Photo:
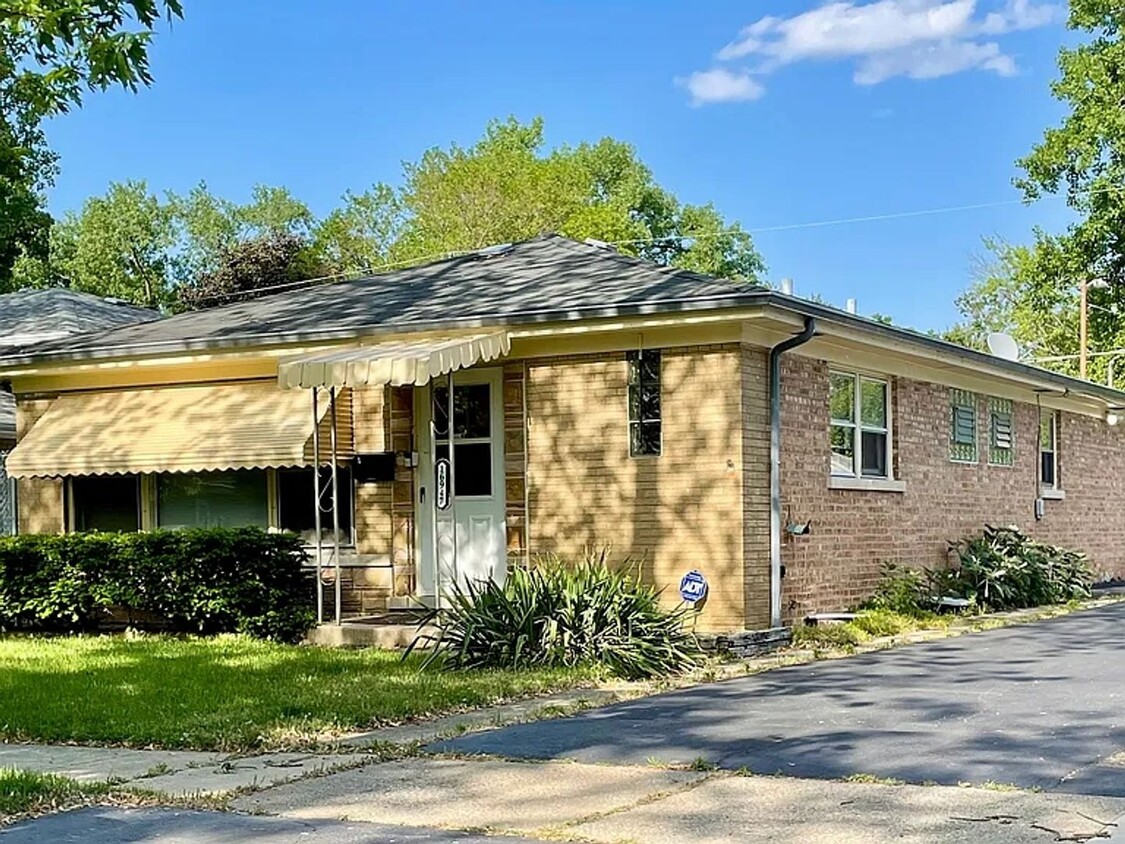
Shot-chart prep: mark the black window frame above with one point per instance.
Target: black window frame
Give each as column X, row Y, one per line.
column 645, row 400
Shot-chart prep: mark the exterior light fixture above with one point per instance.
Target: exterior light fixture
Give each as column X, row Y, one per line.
column 1112, row 417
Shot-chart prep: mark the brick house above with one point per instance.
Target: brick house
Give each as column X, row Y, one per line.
column 596, row 400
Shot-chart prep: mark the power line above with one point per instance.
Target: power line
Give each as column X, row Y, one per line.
column 870, row 218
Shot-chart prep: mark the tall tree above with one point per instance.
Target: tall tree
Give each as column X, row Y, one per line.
column 1032, row 291
column 508, row 187
column 251, row 268
column 51, row 51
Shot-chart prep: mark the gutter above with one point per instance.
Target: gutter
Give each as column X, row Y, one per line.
column 776, row 352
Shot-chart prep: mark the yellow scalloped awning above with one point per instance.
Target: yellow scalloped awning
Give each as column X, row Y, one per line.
column 398, row 364
column 177, row 429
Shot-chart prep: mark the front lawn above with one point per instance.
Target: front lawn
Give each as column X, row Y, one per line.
column 228, row 693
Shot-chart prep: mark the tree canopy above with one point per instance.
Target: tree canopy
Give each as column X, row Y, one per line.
column 1032, row 291
column 198, row 249
column 51, row 52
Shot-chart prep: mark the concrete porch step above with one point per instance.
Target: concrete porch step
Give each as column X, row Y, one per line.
column 356, row 634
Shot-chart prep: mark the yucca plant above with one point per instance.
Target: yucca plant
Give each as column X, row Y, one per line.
column 556, row 614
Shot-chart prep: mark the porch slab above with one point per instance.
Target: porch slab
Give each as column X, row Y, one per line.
column 360, row 635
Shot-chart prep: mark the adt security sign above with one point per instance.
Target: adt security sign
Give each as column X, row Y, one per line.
column 441, row 483
column 693, row 587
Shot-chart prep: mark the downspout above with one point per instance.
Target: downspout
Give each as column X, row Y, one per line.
column 775, row 463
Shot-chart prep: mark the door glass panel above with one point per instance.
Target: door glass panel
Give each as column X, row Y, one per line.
column 472, row 472
column 472, row 411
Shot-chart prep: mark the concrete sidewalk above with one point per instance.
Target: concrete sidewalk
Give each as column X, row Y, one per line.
column 601, row 803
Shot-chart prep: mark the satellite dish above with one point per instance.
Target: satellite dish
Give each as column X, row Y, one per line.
column 1003, row 346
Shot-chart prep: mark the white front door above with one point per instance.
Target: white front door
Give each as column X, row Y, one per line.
column 469, row 533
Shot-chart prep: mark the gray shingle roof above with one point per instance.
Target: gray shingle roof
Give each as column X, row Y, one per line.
column 34, row 316
column 549, row 277
column 30, row 319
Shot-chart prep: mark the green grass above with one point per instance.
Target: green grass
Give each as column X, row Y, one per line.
column 229, row 693
column 24, row 792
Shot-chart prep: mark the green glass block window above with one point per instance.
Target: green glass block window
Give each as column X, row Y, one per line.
column 962, row 426
column 1001, row 439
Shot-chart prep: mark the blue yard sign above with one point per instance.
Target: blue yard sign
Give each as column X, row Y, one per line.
column 693, row 587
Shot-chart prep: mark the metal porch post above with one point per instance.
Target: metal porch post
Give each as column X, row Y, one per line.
column 316, row 510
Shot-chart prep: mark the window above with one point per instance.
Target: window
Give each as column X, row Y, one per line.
column 296, row 511
column 472, row 436
column 106, row 502
column 860, row 426
column 1049, row 449
column 962, row 426
column 1000, row 436
column 644, row 403
column 236, row 498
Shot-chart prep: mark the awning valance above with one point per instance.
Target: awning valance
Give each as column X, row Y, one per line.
column 177, row 429
column 398, row 364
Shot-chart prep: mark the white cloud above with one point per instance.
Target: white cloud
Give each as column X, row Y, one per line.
column 917, row 39
column 721, row 86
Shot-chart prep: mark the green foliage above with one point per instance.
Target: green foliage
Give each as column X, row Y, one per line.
column 50, row 52
column 231, row 693
column 1030, row 291
column 900, row 590
column 201, row 581
column 1004, row 569
column 844, row 636
column 883, row 622
column 559, row 614
column 506, row 188
column 26, row 792
column 259, row 264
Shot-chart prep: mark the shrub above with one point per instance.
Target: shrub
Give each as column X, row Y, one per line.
column 1004, row 569
column 900, row 590
column 205, row 581
column 555, row 615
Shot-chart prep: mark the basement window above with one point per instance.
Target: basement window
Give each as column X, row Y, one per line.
column 860, row 426
column 645, row 436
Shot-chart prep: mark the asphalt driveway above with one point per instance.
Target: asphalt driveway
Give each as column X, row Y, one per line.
column 1039, row 705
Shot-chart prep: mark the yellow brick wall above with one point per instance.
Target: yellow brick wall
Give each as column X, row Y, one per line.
column 679, row 511
column 40, row 500
column 756, row 485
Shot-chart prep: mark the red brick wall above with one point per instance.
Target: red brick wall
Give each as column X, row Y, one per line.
column 854, row 532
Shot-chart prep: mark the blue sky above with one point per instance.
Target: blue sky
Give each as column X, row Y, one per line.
column 781, row 112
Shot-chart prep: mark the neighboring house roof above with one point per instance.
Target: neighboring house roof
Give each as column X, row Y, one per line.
column 30, row 318
column 547, row 278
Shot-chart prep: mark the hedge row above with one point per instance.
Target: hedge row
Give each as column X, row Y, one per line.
column 203, row 581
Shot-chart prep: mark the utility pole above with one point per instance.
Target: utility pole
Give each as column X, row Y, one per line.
column 1083, row 319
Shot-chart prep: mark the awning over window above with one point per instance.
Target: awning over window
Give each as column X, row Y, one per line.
column 398, row 364
column 177, row 429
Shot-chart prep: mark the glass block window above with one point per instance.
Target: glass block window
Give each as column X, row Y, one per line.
column 859, row 425
column 1001, row 439
column 645, row 438
column 962, row 426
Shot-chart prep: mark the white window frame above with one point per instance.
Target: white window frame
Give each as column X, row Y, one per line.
column 1056, row 418
column 858, row 427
